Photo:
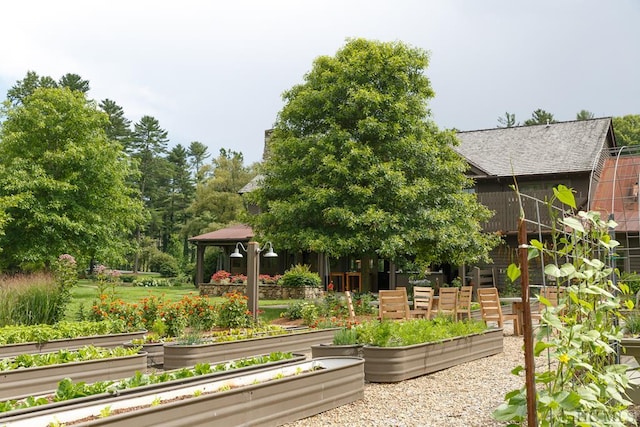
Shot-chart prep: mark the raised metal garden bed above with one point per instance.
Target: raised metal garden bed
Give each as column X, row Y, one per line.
column 40, row 379
column 299, row 341
column 393, row 364
column 265, row 397
column 104, row 341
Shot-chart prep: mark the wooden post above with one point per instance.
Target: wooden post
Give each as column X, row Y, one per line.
column 392, row 275
column 530, row 382
column 253, row 270
column 199, row 264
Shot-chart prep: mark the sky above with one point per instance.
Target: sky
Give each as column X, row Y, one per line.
column 214, row 71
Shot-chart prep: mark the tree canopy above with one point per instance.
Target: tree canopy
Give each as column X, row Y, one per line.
column 507, row 121
column 584, row 115
column 627, row 129
column 540, row 117
column 69, row 180
column 355, row 165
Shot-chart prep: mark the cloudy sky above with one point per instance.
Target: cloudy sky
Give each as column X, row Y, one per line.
column 214, row 71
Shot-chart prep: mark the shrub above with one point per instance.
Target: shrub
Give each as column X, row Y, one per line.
column 300, row 275
column 233, row 311
column 152, row 282
column 309, row 313
column 165, row 264
column 294, row 311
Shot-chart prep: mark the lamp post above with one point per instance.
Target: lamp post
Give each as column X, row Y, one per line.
column 253, row 251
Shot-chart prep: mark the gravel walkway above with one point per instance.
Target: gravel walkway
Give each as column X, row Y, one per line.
column 462, row 396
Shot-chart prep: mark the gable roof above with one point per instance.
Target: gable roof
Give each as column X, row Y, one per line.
column 233, row 234
column 563, row 147
column 252, row 185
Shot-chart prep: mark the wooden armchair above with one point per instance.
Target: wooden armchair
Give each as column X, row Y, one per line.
column 553, row 294
column 448, row 301
column 464, row 302
column 393, row 304
column 422, row 302
column 492, row 310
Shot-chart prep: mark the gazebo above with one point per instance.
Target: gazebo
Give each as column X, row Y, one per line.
column 225, row 238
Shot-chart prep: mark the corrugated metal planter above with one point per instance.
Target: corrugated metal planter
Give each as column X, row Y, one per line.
column 180, row 356
column 393, row 364
column 331, row 350
column 105, row 341
column 154, row 350
column 631, row 347
column 265, row 397
column 20, row 382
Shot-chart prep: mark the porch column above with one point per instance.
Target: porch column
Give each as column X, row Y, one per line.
column 199, row 263
column 392, row 275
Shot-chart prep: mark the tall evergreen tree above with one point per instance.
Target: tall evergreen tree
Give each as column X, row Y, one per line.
column 197, row 155
column 584, row 115
column 119, row 127
column 508, row 121
column 147, row 146
column 180, row 195
column 74, row 82
column 217, row 202
column 540, row 117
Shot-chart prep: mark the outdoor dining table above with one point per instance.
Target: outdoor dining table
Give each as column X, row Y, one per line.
column 517, row 307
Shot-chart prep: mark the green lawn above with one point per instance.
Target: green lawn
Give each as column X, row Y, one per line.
column 86, row 293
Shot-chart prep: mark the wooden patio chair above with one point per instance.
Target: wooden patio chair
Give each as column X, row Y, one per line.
column 422, row 302
column 448, row 302
column 492, row 310
column 465, row 296
column 553, row 294
column 393, row 304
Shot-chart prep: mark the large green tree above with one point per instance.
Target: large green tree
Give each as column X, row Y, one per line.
column 627, row 129
column 355, row 165
column 69, row 178
column 217, row 202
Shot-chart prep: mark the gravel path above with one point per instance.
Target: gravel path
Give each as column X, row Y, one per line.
column 463, row 396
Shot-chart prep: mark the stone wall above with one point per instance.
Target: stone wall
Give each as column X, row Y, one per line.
column 267, row 292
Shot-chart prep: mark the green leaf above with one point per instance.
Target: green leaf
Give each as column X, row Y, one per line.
column 541, row 346
column 570, row 401
column 565, row 195
column 573, row 223
column 537, row 244
column 513, row 272
column 552, row 270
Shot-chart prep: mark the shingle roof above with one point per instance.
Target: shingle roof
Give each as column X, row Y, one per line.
column 532, row 150
column 233, row 233
column 251, row 185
